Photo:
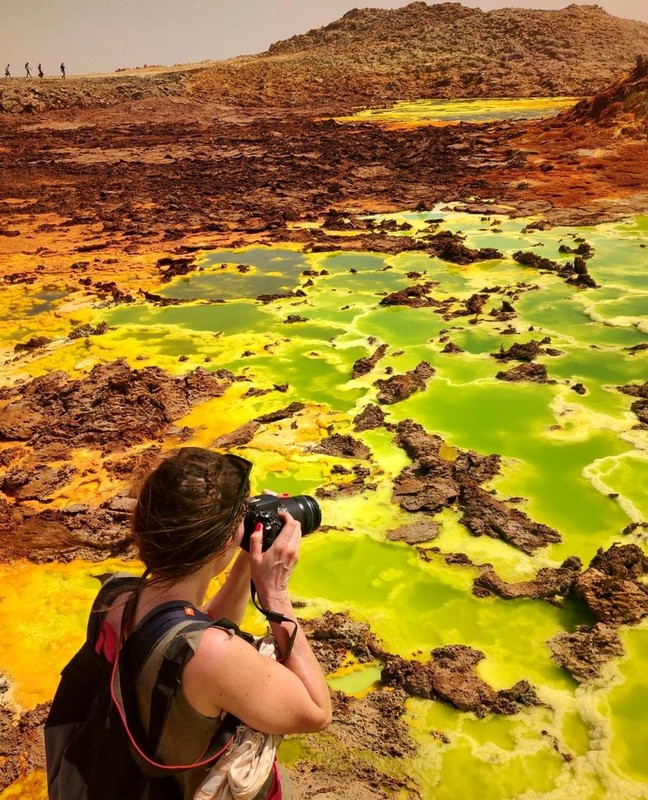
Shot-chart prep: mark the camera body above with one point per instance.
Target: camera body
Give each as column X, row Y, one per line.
column 265, row 508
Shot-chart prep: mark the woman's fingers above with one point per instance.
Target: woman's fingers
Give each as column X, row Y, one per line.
column 256, row 542
column 290, row 535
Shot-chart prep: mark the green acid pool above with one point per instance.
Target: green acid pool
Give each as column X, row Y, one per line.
column 579, row 461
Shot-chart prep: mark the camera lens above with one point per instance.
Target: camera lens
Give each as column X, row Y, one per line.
column 306, row 510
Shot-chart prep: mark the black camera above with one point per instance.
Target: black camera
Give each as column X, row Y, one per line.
column 265, row 508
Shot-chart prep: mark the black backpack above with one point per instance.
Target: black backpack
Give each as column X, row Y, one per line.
column 95, row 744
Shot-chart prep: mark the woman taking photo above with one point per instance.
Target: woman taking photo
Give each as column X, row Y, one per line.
column 187, row 527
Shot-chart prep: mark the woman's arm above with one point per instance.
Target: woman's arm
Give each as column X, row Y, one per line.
column 228, row 673
column 271, row 572
column 231, row 599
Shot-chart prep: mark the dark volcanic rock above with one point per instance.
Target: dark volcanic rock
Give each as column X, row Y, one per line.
column 549, row 584
column 32, row 344
column 584, row 249
column 172, row 267
column 111, row 407
column 611, row 588
column 413, row 296
column 281, row 413
column 451, row 347
column 21, row 742
column 371, row 417
column 364, row 365
column 451, row 676
column 450, row 247
column 432, row 483
column 484, row 515
column 356, row 486
column 585, row 650
column 400, row 387
column 343, row 446
column 334, row 636
column 520, row 351
column 640, row 406
column 581, row 276
column 87, row 330
column 528, row 259
column 536, row 373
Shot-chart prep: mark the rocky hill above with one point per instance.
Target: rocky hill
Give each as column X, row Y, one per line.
column 622, row 106
column 373, row 56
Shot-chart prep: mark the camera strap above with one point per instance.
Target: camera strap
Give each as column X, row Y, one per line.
column 275, row 616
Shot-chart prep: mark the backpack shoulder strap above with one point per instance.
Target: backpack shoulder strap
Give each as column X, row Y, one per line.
column 137, row 649
column 112, row 586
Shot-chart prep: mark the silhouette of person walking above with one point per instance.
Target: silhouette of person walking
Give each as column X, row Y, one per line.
column 40, row 72
column 62, row 70
column 27, row 70
column 7, row 73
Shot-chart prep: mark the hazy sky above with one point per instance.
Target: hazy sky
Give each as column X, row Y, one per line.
column 101, row 35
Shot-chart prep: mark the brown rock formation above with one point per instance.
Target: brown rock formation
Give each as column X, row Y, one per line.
column 521, row 351
column 334, row 636
column 535, row 373
column 364, row 365
column 584, row 651
column 280, row 413
column 622, row 106
column 611, row 587
column 484, row 515
column 342, row 446
column 21, row 742
column 432, row 483
column 451, row 676
column 549, row 584
column 62, row 535
column 640, row 405
column 400, row 387
column 111, row 407
column 414, row 532
column 373, row 56
column 371, row 416
column 413, row 296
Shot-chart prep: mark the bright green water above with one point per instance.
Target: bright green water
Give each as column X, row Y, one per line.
column 563, row 452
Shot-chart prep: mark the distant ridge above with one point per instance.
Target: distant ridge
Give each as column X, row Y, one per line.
column 373, row 56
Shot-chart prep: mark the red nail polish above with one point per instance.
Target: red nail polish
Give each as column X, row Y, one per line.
column 258, row 527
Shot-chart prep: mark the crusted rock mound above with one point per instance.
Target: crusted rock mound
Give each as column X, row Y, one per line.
column 549, row 584
column 400, row 387
column 112, row 406
column 451, row 676
column 433, row 482
column 584, row 651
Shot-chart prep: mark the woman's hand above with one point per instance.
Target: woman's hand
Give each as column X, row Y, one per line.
column 272, row 570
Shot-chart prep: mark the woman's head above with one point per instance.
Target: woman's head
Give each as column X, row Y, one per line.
column 188, row 510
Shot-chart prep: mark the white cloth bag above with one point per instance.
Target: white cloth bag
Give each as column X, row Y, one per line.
column 240, row 773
